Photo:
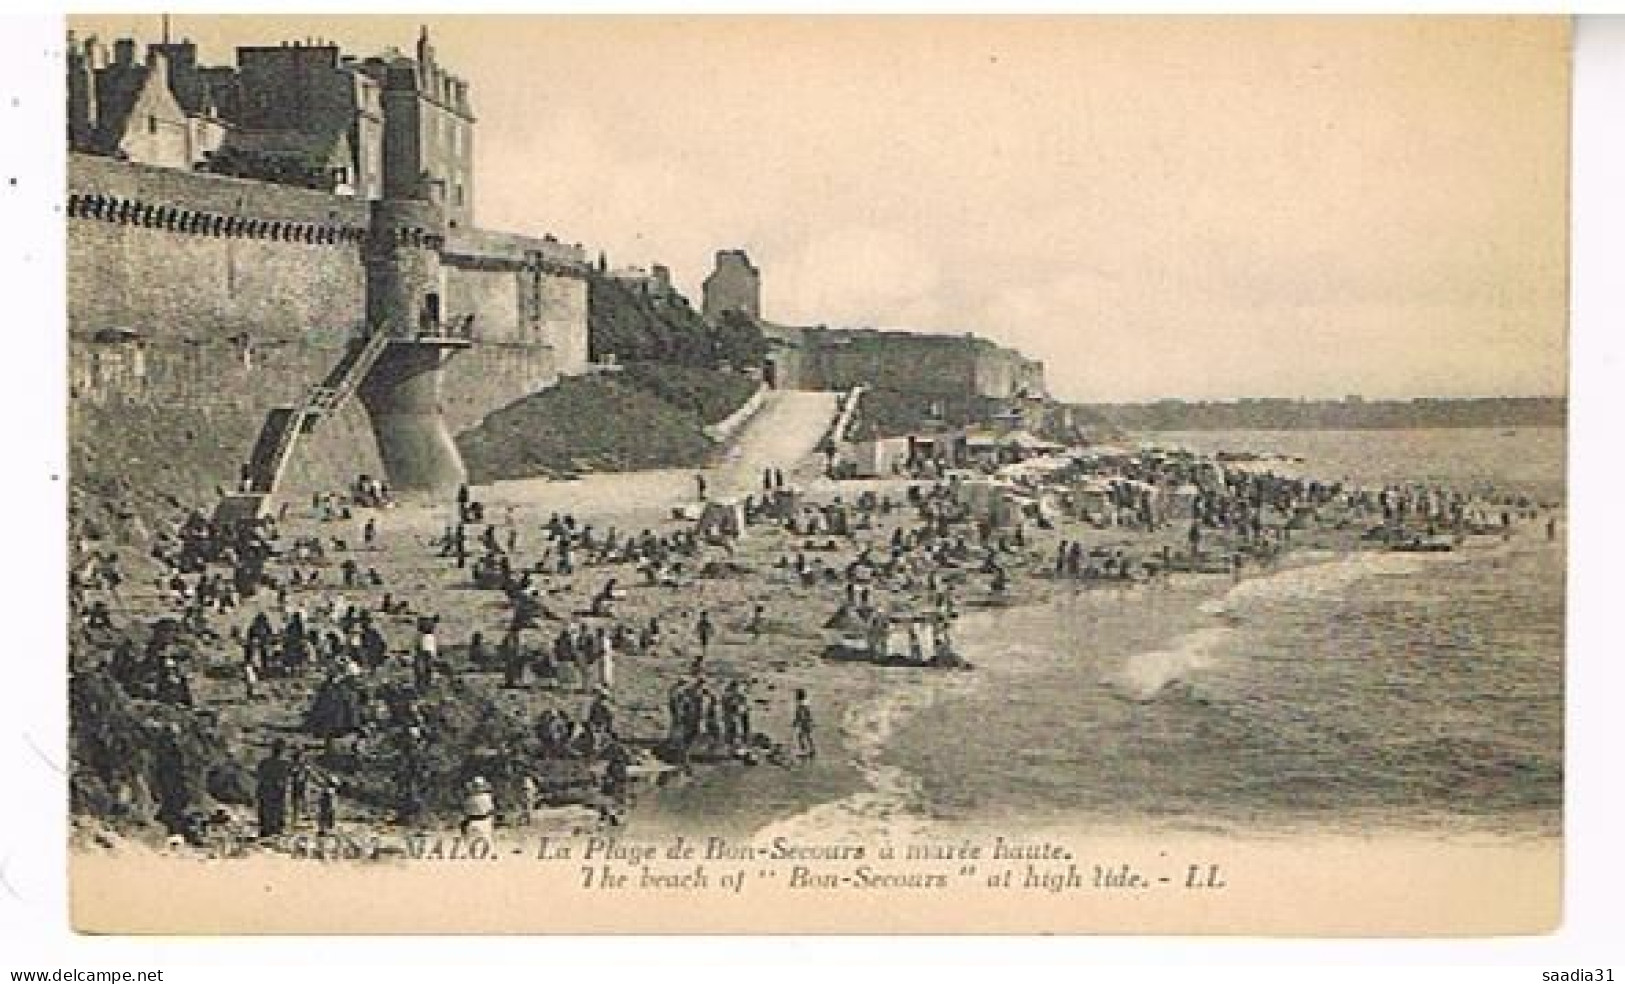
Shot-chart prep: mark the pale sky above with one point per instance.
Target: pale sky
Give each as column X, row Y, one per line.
column 1201, row 208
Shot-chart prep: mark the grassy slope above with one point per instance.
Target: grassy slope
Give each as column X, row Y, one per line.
column 592, row 423
column 708, row 394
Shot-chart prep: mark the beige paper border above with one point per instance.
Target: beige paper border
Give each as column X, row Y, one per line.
column 1355, row 887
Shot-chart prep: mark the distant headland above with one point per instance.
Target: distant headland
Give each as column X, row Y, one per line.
column 1349, row 413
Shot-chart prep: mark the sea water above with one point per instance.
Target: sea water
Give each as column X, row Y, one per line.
column 1340, row 693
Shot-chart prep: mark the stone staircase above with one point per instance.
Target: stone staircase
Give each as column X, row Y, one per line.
column 274, row 448
column 845, row 415
column 280, row 433
column 346, row 376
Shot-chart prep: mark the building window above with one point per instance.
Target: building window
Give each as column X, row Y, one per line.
column 457, row 196
column 152, row 123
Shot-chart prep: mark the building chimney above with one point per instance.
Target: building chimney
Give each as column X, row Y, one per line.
column 124, row 52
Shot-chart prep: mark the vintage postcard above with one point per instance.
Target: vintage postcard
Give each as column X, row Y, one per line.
column 779, row 474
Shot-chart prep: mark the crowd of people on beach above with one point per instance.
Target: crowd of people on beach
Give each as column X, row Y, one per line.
column 896, row 563
column 345, row 648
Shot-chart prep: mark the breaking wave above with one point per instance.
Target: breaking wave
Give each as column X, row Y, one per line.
column 1146, row 675
column 893, row 807
column 1312, row 580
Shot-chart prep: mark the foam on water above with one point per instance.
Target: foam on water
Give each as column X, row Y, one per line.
column 1311, row 580
column 894, row 804
column 1314, row 574
column 1145, row 675
column 1378, row 690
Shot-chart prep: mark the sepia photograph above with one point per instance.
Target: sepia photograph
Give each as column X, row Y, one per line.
column 741, row 474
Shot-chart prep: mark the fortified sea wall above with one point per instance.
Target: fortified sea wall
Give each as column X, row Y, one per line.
column 197, row 303
column 949, row 365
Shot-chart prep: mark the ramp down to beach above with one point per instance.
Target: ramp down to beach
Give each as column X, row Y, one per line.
column 784, row 434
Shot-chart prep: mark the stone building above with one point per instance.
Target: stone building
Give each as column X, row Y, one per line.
column 804, row 357
column 428, row 132
column 308, row 106
column 301, row 113
column 653, row 283
column 917, row 362
column 734, row 285
column 122, row 107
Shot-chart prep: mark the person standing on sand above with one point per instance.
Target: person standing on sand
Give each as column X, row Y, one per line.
column 803, row 724
column 694, row 711
column 606, row 662
column 677, row 710
column 699, row 485
column 271, row 791
column 600, row 716
column 710, row 716
column 423, row 654
column 735, row 716
column 702, row 628
column 327, row 808
column 513, row 659
column 298, row 787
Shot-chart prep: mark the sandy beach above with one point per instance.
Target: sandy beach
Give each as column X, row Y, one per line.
column 1092, row 716
column 770, row 631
